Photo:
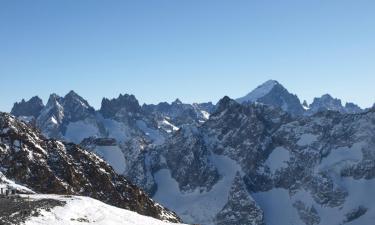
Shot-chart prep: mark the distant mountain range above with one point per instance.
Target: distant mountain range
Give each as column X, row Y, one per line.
column 265, row 158
column 274, row 94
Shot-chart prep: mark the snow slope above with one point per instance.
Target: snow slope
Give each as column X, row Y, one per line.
column 9, row 184
column 258, row 92
column 77, row 131
column 84, row 210
column 114, row 156
column 197, row 207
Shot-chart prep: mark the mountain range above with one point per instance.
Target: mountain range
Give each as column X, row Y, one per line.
column 264, row 158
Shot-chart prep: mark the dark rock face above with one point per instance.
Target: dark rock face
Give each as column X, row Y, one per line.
column 355, row 214
column 76, row 108
column 179, row 113
column 189, row 161
column 243, row 132
column 99, row 141
column 280, row 97
column 240, row 209
column 49, row 166
column 124, row 104
column 33, row 107
column 308, row 215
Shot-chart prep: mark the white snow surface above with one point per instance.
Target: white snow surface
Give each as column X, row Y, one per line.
column 77, row 131
column 278, row 159
column 340, row 157
column 166, row 122
column 277, row 207
column 154, row 135
column 307, row 139
column 92, row 211
column 197, row 207
column 113, row 156
column 116, row 130
column 205, row 114
column 258, row 92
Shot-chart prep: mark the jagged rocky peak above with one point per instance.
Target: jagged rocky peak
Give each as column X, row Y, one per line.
column 53, row 111
column 178, row 113
column 71, row 107
column 32, row 107
column 124, row 103
column 73, row 98
column 53, row 100
column 225, row 103
column 54, row 167
column 76, row 108
column 327, row 102
column 273, row 93
column 352, row 108
column 177, row 102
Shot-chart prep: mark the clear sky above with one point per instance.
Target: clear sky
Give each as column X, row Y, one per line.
column 195, row 50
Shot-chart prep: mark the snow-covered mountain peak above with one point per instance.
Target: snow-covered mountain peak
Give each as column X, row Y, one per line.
column 53, row 99
column 274, row 94
column 259, row 92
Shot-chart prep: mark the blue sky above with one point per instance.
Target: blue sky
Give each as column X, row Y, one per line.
column 195, row 50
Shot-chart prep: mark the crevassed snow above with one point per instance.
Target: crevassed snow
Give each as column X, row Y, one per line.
column 278, row 159
column 77, row 131
column 114, row 156
column 258, row 92
column 84, row 210
column 307, row 139
column 197, row 207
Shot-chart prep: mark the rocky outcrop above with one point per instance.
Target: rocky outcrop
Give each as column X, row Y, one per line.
column 30, row 108
column 50, row 166
column 241, row 209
